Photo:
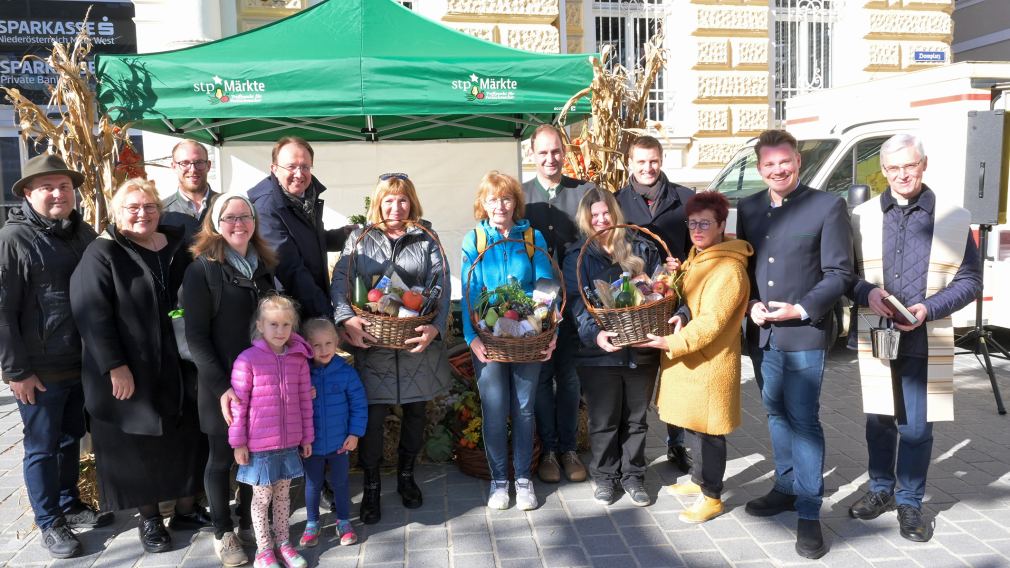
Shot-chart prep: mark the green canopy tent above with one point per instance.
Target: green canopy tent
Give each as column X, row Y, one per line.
column 343, row 70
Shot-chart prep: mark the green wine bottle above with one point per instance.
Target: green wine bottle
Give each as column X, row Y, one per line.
column 626, row 296
column 360, row 292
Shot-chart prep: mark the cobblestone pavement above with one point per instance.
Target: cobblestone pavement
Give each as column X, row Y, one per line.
column 968, row 492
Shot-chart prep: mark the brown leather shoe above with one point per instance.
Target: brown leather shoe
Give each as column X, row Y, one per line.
column 574, row 470
column 549, row 470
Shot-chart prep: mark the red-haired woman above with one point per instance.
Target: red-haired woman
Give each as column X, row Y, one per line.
column 699, row 387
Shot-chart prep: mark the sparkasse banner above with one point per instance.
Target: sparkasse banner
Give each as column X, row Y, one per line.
column 29, row 27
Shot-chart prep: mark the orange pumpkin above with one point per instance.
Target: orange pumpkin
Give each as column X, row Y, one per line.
column 412, row 300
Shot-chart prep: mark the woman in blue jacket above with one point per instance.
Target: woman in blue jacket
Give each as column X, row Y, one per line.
column 504, row 387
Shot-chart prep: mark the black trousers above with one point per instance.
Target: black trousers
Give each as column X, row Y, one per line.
column 217, row 484
column 411, row 432
column 709, row 453
column 618, row 402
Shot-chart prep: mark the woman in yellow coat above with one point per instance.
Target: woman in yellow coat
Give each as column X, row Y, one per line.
column 700, row 376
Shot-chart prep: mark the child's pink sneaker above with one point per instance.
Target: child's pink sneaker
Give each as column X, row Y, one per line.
column 310, row 537
column 266, row 559
column 290, row 556
column 346, row 533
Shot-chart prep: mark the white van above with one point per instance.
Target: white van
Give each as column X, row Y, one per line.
column 840, row 131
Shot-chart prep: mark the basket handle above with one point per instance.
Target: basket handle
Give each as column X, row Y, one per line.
column 375, row 227
column 596, row 235
column 476, row 261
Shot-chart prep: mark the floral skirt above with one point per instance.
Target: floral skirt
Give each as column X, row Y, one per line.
column 267, row 468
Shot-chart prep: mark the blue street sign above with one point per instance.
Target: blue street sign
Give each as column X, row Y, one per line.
column 929, row 56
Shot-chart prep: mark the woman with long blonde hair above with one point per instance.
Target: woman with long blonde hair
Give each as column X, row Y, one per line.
column 616, row 382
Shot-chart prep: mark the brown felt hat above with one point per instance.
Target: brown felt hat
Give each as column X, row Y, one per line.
column 42, row 165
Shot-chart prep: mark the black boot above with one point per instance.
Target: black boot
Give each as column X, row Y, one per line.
column 405, row 485
column 370, row 513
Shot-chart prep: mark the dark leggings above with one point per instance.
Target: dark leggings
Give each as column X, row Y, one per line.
column 217, row 483
column 411, row 432
column 314, row 467
column 709, row 453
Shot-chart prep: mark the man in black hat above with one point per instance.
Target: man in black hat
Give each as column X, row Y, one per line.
column 40, row 348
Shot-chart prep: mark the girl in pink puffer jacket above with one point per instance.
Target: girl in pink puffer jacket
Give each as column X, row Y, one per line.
column 272, row 423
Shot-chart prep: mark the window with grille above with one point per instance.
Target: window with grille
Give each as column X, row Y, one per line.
column 802, row 49
column 626, row 25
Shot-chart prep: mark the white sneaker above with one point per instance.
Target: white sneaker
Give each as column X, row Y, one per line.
column 229, row 550
column 498, row 496
column 526, row 499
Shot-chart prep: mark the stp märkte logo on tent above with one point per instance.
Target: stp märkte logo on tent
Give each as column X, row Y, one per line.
column 220, row 90
column 479, row 89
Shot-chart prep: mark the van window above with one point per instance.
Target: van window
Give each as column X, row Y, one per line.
column 865, row 154
column 740, row 177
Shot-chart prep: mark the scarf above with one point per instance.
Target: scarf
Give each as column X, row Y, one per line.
column 246, row 265
column 945, row 255
column 306, row 204
column 651, row 193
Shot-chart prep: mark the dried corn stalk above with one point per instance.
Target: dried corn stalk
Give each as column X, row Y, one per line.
column 618, row 115
column 86, row 141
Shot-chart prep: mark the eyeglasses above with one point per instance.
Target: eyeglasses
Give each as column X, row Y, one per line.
column 397, row 175
column 147, row 208
column 198, row 165
column 910, row 167
column 703, row 225
column 503, row 201
column 294, row 169
column 236, row 219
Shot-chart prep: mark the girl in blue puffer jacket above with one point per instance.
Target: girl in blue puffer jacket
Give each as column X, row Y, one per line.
column 339, row 415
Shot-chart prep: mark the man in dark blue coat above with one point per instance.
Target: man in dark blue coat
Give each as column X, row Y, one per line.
column 40, row 346
column 652, row 201
column 291, row 219
column 802, row 265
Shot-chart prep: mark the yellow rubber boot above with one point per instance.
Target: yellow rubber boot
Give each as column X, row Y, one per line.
column 704, row 509
column 689, row 488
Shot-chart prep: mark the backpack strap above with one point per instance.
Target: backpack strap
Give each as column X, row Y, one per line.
column 481, row 239
column 215, row 282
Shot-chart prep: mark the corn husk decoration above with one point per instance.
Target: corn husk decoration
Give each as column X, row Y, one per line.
column 620, row 100
column 86, row 140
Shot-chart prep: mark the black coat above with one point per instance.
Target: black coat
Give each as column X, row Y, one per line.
column 114, row 299
column 555, row 218
column 396, row 376
column 669, row 221
column 596, row 264
column 38, row 335
column 301, row 244
column 217, row 335
column 802, row 255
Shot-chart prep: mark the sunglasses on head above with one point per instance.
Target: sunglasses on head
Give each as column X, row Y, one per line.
column 397, row 175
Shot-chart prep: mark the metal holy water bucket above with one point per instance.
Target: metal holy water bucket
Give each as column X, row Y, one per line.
column 884, row 341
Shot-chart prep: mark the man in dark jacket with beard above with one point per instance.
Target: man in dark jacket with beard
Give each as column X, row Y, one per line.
column 40, row 348
column 654, row 202
column 291, row 216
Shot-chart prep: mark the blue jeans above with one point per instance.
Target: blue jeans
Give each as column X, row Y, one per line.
column 790, row 383
column 902, row 448
column 53, row 429
column 315, row 465
column 558, row 394
column 507, row 389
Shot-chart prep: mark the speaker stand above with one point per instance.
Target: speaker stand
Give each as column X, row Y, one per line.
column 979, row 338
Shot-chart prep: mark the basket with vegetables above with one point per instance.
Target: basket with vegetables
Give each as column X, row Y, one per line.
column 514, row 326
column 393, row 310
column 636, row 305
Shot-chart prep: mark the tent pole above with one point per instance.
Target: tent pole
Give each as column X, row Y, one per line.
column 519, row 160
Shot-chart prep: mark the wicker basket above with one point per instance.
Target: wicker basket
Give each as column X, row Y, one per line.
column 517, row 349
column 473, row 461
column 391, row 332
column 630, row 324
